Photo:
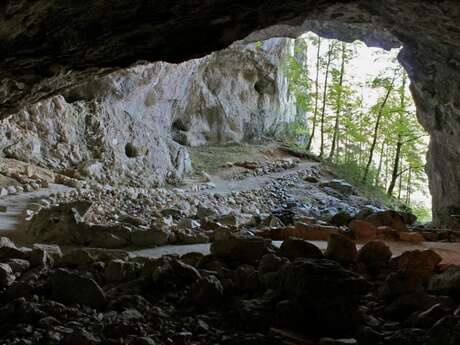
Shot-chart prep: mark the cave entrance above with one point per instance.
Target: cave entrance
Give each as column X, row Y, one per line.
column 355, row 111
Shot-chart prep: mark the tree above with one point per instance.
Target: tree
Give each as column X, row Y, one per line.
column 327, row 64
column 296, row 70
column 388, row 85
column 337, row 93
column 317, row 42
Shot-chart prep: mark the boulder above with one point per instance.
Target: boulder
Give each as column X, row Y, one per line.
column 417, row 262
column 341, row 218
column 415, row 237
column 327, row 294
column 363, row 230
column 388, row 218
column 6, row 242
column 341, row 249
column 293, row 248
column 151, row 237
column 117, row 271
column 207, row 291
column 269, row 266
column 6, row 275
column 172, row 273
column 374, row 255
column 240, row 248
column 72, row 288
column 77, row 257
column 311, row 232
column 339, row 185
column 18, row 265
column 446, row 283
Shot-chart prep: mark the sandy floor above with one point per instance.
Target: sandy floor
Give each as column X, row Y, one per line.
column 450, row 252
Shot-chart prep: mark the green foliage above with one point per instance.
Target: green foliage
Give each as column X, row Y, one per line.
column 390, row 154
column 423, row 213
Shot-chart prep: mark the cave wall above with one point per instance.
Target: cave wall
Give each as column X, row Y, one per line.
column 42, row 40
column 132, row 125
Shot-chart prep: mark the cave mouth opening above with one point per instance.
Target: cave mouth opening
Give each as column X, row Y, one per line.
column 355, row 110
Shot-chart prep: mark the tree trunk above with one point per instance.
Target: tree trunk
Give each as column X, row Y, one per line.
column 323, row 109
column 394, row 175
column 376, row 129
column 400, row 182
column 335, row 136
column 409, row 187
column 379, row 170
column 399, row 143
column 315, row 114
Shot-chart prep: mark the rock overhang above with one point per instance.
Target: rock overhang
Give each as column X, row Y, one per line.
column 47, row 46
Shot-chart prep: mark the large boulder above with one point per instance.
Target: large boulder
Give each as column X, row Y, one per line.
column 6, row 275
column 374, row 255
column 388, row 218
column 417, row 263
column 293, row 248
column 242, row 249
column 60, row 224
column 311, row 232
column 71, row 288
column 362, row 230
column 327, row 294
column 341, row 249
column 339, row 185
column 446, row 283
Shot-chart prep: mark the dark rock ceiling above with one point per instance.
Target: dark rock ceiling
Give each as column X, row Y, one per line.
column 48, row 45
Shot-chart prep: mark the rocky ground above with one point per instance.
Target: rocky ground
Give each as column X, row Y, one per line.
column 247, row 290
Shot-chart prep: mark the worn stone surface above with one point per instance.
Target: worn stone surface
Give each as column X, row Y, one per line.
column 129, row 126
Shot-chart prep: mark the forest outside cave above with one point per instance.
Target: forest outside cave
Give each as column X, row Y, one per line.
column 355, row 111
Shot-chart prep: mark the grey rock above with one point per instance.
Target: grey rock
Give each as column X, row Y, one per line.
column 6, row 275
column 293, row 248
column 71, row 288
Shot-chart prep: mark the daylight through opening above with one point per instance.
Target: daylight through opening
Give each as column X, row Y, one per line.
column 354, row 110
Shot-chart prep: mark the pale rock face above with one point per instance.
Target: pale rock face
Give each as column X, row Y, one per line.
column 130, row 126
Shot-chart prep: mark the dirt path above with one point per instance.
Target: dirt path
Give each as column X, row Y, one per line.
column 254, row 182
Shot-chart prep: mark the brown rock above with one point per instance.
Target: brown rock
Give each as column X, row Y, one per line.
column 411, row 237
column 388, row 218
column 341, row 249
column 244, row 249
column 363, row 230
column 416, row 262
column 374, row 255
column 312, row 232
column 387, row 233
column 293, row 248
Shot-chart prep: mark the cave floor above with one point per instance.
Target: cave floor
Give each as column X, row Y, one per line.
column 13, row 219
